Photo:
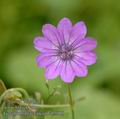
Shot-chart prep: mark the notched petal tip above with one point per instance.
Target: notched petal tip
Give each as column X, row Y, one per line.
column 68, row 80
column 36, row 40
column 92, row 40
column 47, row 29
column 48, row 77
column 65, row 22
column 48, row 26
column 82, row 23
column 85, row 73
column 65, row 19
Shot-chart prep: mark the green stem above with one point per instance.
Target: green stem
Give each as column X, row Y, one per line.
column 71, row 101
column 50, row 95
column 47, row 85
column 51, row 106
column 46, row 106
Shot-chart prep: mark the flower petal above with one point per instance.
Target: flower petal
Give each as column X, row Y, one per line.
column 41, row 43
column 50, row 32
column 87, row 58
column 52, row 70
column 67, row 73
column 65, row 27
column 43, row 60
column 87, row 44
column 79, row 68
column 79, row 31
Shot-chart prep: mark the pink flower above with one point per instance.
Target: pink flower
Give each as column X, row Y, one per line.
column 65, row 50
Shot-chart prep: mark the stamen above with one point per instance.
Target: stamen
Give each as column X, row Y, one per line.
column 65, row 52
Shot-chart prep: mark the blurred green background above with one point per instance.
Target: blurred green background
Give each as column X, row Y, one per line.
column 22, row 20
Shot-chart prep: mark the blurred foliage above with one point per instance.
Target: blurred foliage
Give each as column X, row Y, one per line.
column 22, row 20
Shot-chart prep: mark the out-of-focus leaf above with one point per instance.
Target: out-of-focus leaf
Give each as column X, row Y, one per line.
column 2, row 87
column 98, row 105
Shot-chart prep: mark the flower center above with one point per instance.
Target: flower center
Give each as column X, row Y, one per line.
column 65, row 52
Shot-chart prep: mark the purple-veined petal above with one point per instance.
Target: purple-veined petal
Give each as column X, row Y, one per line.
column 52, row 70
column 79, row 68
column 87, row 44
column 67, row 74
column 64, row 28
column 43, row 60
column 88, row 58
column 79, row 31
column 41, row 43
column 51, row 33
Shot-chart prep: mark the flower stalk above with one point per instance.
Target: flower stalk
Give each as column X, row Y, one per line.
column 71, row 101
column 47, row 106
